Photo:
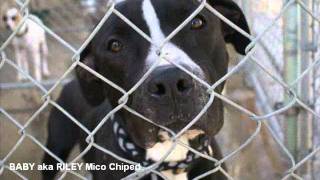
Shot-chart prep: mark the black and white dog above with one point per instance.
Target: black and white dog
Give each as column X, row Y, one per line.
column 169, row 96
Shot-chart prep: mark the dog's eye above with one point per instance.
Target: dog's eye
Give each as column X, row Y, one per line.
column 114, row 46
column 4, row 18
column 198, row 22
column 14, row 18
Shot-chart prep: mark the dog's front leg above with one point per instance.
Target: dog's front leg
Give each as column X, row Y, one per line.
column 36, row 57
column 44, row 58
column 62, row 137
column 25, row 61
column 19, row 59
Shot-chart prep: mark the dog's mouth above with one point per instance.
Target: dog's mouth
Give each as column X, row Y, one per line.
column 165, row 136
column 189, row 134
column 147, row 135
column 193, row 138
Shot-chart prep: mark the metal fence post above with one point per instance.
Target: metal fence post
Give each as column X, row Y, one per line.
column 305, row 90
column 315, row 84
column 292, row 61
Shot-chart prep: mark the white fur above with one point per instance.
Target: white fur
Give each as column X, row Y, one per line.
column 179, row 153
column 11, row 13
column 171, row 51
column 191, row 134
column 170, row 175
column 31, row 47
column 161, row 148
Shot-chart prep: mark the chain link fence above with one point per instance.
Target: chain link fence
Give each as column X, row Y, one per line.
column 263, row 64
column 273, row 56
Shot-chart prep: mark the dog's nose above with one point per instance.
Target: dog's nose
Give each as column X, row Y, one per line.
column 170, row 82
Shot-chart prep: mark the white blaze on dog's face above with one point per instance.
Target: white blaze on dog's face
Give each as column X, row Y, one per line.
column 177, row 55
column 12, row 18
column 170, row 51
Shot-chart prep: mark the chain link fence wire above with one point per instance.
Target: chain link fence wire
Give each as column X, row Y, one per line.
column 263, row 64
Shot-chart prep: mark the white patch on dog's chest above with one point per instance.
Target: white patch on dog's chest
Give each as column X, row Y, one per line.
column 160, row 149
column 179, row 153
column 170, row 175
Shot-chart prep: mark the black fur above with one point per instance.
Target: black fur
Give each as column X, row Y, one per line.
column 63, row 134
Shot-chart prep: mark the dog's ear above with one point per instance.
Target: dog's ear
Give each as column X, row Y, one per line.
column 232, row 11
column 91, row 86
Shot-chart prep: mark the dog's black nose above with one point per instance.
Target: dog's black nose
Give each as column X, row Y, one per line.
column 169, row 81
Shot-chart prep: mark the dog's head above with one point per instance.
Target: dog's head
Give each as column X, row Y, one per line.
column 169, row 96
column 12, row 18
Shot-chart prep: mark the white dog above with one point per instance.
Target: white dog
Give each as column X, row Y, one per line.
column 29, row 44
